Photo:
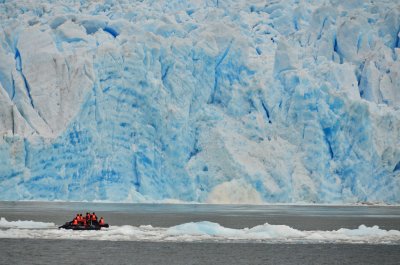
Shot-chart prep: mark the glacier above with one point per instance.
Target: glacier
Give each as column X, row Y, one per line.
column 200, row 101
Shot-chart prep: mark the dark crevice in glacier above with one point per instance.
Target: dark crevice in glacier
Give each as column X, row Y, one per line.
column 330, row 148
column 96, row 107
column 359, row 40
column 327, row 132
column 397, row 43
column 18, row 63
column 11, row 176
column 189, row 12
column 18, row 66
column 165, row 70
column 322, row 28
column 26, row 149
column 225, row 53
column 334, row 48
column 111, row 31
column 337, row 51
column 266, row 111
column 12, row 87
column 44, row 120
column 217, row 74
column 137, row 180
column 164, row 73
column 252, row 105
column 358, row 74
column 195, row 149
column 295, row 24
column 397, row 167
column 87, row 74
column 28, row 90
column 12, row 120
column 68, row 67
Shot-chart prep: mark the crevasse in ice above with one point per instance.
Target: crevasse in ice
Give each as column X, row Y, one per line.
column 208, row 101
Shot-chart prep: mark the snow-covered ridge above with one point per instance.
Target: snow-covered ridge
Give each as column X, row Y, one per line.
column 202, row 231
column 207, row 101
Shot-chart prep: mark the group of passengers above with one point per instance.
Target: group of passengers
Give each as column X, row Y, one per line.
column 89, row 219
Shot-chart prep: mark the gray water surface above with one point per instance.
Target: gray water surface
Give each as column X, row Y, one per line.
column 31, row 251
column 42, row 251
column 233, row 216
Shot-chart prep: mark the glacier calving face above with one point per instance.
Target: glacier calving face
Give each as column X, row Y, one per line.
column 209, row 101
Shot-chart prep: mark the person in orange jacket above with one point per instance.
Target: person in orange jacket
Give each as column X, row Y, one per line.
column 87, row 217
column 94, row 217
column 101, row 222
column 75, row 221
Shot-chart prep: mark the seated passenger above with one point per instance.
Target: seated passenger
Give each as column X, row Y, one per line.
column 81, row 218
column 101, row 222
column 87, row 217
column 94, row 217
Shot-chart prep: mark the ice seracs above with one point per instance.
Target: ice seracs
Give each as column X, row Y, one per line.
column 208, row 101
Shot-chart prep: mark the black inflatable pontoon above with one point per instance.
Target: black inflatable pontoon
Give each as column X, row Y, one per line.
column 93, row 226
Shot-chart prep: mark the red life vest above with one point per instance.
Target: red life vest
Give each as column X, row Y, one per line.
column 101, row 221
column 75, row 222
column 94, row 217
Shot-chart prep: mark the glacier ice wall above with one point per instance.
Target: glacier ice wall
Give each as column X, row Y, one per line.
column 209, row 101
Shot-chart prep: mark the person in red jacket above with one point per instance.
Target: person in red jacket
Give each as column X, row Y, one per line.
column 101, row 222
column 75, row 221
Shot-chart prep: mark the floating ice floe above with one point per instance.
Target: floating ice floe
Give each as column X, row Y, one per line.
column 202, row 232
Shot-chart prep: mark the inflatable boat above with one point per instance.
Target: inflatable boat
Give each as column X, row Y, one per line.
column 93, row 226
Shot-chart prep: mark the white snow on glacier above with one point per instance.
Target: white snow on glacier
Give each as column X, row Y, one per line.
column 209, row 101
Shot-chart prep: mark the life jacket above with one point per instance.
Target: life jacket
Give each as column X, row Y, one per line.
column 87, row 217
column 84, row 221
column 94, row 217
column 101, row 221
column 75, row 222
column 78, row 218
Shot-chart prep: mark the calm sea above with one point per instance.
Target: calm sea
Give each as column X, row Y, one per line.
column 60, row 251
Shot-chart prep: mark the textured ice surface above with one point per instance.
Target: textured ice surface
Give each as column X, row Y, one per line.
column 201, row 231
column 209, row 101
column 4, row 224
